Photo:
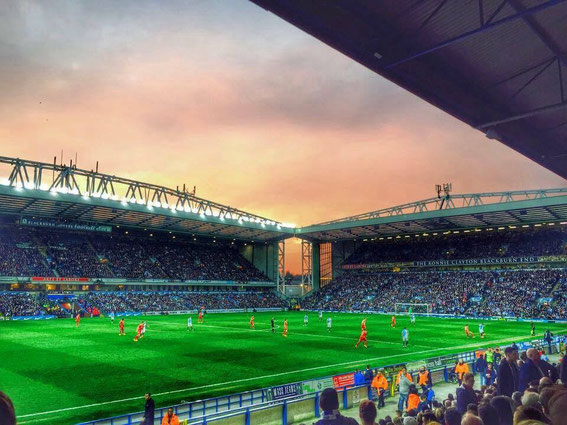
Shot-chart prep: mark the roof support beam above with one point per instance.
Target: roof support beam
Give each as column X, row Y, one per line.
column 527, row 114
column 483, row 28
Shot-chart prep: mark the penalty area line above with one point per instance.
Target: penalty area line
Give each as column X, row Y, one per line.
column 274, row 375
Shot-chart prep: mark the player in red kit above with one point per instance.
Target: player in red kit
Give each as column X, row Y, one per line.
column 252, row 322
column 285, row 328
column 363, row 334
column 139, row 331
column 393, row 320
column 200, row 319
column 77, row 319
column 121, row 325
column 363, row 325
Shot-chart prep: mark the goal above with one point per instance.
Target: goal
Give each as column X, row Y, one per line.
column 405, row 308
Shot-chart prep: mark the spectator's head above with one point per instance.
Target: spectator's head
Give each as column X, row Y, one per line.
column 558, row 407
column 471, row 419
column 460, row 361
column 504, row 408
column 533, row 354
column 367, row 412
column 7, row 413
column 524, row 413
column 410, row 420
column 468, row 380
column 452, row 416
column 170, row 412
column 511, row 354
column 488, row 414
column 428, row 417
column 329, row 400
column 472, row 408
column 147, row 396
column 547, row 393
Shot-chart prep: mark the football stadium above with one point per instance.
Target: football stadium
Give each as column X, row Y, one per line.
column 125, row 301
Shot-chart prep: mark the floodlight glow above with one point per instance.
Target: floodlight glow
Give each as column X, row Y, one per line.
column 96, row 194
column 29, row 185
column 5, row 182
column 222, row 217
column 114, row 198
column 132, row 200
column 194, row 210
column 157, row 204
column 86, row 197
column 44, row 187
column 187, row 209
column 140, row 201
column 202, row 215
column 173, row 210
column 104, row 196
column 165, row 205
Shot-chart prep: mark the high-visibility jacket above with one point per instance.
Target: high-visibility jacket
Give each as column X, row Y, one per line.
column 461, row 369
column 489, row 356
column 413, row 401
column 423, row 378
column 380, row 381
column 400, row 374
column 174, row 420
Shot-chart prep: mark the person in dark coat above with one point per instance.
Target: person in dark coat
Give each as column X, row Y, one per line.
column 508, row 372
column 534, row 369
column 480, row 367
column 465, row 393
column 368, row 375
column 329, row 403
column 149, row 409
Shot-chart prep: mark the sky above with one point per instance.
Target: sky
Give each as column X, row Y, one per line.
column 227, row 97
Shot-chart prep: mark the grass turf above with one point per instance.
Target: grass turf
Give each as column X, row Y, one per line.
column 84, row 373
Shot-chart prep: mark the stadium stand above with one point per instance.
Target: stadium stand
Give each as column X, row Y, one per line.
column 41, row 252
column 512, row 290
column 19, row 304
column 496, row 244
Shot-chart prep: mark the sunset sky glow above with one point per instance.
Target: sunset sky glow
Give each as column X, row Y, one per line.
column 228, row 97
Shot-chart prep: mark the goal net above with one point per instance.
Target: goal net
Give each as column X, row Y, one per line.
column 408, row 308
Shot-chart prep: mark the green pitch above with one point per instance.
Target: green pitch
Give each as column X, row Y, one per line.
column 90, row 372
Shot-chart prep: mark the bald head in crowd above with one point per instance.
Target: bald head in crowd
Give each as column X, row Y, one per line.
column 533, row 354
column 470, row 419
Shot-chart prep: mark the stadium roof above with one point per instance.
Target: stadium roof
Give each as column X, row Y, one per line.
column 455, row 212
column 64, row 192
column 498, row 65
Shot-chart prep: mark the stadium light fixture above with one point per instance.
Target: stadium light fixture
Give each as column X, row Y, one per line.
column 538, row 225
column 551, row 224
column 525, row 225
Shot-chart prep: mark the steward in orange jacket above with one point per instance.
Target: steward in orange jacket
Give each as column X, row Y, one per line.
column 380, row 383
column 460, row 369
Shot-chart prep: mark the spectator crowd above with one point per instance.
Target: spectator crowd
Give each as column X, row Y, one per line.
column 49, row 253
column 518, row 293
column 525, row 390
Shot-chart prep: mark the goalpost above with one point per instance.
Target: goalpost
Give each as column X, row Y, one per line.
column 417, row 308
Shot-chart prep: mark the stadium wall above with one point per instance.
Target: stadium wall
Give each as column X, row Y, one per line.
column 264, row 256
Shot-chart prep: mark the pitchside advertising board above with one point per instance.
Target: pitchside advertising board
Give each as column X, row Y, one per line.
column 284, row 391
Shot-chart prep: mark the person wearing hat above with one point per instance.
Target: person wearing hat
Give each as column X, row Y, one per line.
column 329, row 404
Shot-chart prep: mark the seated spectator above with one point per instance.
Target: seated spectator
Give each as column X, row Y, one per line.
column 329, row 403
column 504, row 409
column 452, row 416
column 529, row 413
column 367, row 412
column 471, row 419
column 170, row 418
